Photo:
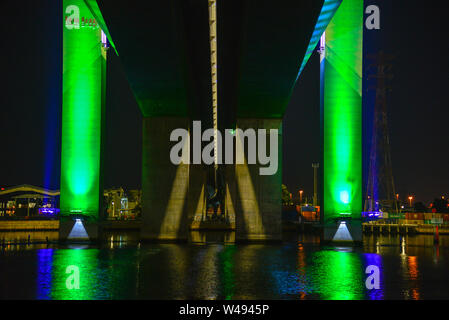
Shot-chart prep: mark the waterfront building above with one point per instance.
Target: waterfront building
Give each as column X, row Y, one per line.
column 27, row 201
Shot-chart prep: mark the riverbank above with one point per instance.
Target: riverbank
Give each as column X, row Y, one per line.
column 404, row 228
column 53, row 225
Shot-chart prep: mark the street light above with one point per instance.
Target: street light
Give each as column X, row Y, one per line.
column 410, row 198
column 300, row 196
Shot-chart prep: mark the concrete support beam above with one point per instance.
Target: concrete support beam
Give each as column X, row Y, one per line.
column 196, row 201
column 255, row 199
column 164, row 185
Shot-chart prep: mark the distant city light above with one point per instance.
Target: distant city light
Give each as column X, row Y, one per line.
column 372, row 214
column 410, row 198
column 48, row 212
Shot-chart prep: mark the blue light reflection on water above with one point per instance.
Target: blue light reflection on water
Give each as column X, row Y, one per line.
column 44, row 278
column 376, row 260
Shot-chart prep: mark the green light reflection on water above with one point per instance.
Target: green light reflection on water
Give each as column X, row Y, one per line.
column 86, row 260
column 337, row 275
column 227, row 269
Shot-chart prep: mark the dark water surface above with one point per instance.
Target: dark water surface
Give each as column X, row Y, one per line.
column 411, row 267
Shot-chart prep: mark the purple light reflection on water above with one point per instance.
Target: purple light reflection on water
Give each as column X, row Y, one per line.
column 376, row 260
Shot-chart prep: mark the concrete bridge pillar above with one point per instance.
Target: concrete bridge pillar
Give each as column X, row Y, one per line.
column 196, row 195
column 164, row 184
column 255, row 199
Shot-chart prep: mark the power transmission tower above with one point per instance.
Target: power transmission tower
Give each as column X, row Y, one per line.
column 381, row 189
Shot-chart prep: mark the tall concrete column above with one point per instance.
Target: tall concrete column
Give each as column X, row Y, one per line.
column 196, row 197
column 255, row 198
column 341, row 122
column 164, row 184
column 83, row 116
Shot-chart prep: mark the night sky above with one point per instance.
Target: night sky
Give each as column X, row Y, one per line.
column 414, row 31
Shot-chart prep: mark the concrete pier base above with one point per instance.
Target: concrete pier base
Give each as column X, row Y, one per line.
column 78, row 229
column 164, row 184
column 255, row 199
column 353, row 227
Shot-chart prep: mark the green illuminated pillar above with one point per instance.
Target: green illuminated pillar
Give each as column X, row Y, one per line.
column 342, row 114
column 84, row 69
